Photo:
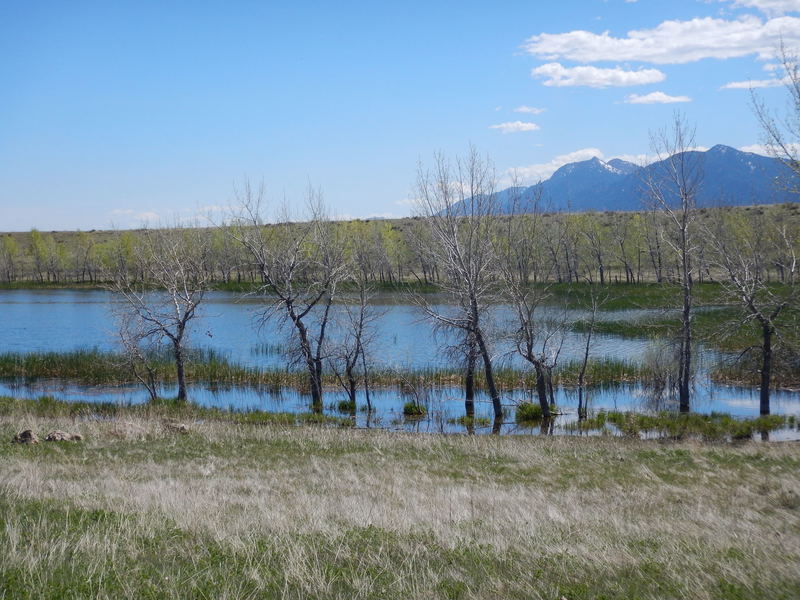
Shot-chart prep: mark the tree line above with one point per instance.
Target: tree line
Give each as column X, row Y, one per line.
column 593, row 247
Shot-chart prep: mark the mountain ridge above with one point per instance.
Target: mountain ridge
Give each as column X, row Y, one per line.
column 728, row 176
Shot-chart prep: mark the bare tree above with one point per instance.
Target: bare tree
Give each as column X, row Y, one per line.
column 161, row 305
column 782, row 133
column 457, row 203
column 672, row 184
column 741, row 249
column 140, row 351
column 521, row 261
column 597, row 302
column 301, row 265
column 348, row 356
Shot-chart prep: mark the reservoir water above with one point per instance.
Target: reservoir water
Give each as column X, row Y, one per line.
column 63, row 320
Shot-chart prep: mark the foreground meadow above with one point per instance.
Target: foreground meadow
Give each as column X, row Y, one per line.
column 233, row 509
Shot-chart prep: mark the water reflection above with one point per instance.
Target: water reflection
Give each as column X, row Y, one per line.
column 445, row 406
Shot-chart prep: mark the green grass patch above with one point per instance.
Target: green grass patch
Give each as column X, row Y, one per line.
column 713, row 427
column 528, row 412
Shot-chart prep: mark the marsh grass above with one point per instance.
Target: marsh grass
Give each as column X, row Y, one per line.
column 712, row 427
column 170, row 408
column 470, row 421
column 528, row 412
column 414, row 410
column 237, row 510
column 95, row 367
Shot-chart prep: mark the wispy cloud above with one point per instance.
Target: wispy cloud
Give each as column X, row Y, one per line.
column 769, row 7
column 755, row 83
column 351, row 217
column 407, row 202
column 673, row 42
column 515, row 126
column 135, row 217
column 531, row 110
column 532, row 173
column 763, row 150
column 655, row 98
column 637, row 159
column 557, row 75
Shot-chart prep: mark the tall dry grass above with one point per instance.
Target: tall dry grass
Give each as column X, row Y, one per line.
column 324, row 512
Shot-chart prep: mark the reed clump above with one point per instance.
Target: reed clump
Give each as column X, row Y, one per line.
column 96, row 367
column 670, row 425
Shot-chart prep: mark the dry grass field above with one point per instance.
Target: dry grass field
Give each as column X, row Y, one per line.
column 227, row 510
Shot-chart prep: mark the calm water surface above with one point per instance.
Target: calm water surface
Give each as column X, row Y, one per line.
column 61, row 320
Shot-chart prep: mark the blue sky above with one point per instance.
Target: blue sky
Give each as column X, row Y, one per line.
column 122, row 113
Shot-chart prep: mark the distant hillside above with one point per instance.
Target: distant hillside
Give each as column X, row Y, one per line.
column 729, row 177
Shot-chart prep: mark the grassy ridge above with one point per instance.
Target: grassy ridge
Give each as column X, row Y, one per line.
column 332, row 513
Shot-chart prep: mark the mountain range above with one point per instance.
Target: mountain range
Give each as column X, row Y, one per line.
column 727, row 176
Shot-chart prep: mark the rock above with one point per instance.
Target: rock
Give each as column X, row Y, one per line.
column 25, row 437
column 62, row 436
column 127, row 429
column 176, row 427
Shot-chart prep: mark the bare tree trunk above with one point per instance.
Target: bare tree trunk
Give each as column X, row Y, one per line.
column 469, row 381
column 766, row 368
column 366, row 382
column 585, row 362
column 550, row 393
column 181, row 371
column 685, row 375
column 541, row 389
column 489, row 373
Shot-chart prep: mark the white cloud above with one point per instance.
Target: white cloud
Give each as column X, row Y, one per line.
column 637, row 159
column 407, row 202
column 673, row 42
column 655, row 98
column 532, row 110
column 351, row 217
column 558, row 75
column 148, row 217
column 134, row 217
column 769, row 7
column 764, row 150
column 754, row 83
column 515, row 126
column 212, row 208
column 755, row 149
column 539, row 172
